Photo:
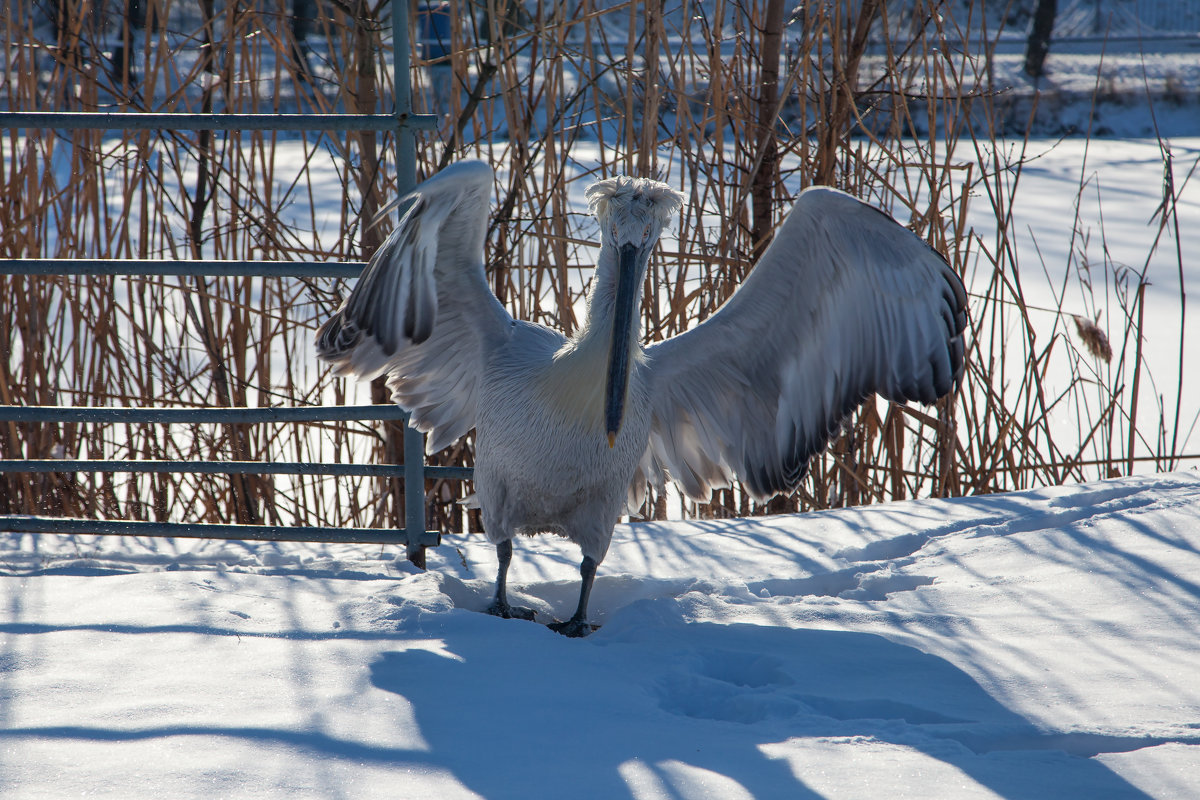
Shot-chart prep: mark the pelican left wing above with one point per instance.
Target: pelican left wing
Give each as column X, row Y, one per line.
column 422, row 312
column 844, row 303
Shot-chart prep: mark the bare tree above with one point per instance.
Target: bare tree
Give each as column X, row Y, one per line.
column 1038, row 44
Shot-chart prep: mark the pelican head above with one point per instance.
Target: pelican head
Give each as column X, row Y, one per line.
column 632, row 213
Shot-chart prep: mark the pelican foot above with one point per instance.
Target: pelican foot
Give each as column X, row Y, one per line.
column 574, row 628
column 505, row 611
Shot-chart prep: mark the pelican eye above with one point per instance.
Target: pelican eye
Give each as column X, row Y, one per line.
column 645, row 233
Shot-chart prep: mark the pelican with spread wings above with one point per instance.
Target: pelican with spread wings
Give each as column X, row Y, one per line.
column 845, row 303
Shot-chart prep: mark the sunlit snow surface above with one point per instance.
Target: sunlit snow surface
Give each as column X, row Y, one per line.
column 1035, row 645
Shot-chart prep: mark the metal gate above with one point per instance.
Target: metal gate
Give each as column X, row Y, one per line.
column 403, row 122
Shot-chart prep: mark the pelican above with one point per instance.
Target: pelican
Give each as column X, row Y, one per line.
column 844, row 303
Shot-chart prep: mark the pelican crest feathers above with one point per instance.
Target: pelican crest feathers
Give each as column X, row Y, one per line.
column 661, row 202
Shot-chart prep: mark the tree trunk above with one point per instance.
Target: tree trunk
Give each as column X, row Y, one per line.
column 1038, row 44
column 766, row 173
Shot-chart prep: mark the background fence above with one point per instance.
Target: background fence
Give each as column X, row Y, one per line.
column 1150, row 19
column 27, row 486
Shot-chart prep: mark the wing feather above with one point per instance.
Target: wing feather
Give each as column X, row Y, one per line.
column 422, row 312
column 845, row 303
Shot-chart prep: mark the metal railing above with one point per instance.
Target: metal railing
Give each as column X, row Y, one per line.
column 413, row 471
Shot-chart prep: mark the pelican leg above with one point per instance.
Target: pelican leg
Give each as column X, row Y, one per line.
column 578, row 625
column 500, row 606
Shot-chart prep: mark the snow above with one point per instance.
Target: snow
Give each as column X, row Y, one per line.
column 1039, row 644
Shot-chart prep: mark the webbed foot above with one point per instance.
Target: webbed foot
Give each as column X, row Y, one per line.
column 503, row 610
column 575, row 627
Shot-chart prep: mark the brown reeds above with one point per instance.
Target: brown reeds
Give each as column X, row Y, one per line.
column 735, row 103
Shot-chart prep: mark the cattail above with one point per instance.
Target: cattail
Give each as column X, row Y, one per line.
column 1093, row 338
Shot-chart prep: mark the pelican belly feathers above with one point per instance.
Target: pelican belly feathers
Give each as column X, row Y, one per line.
column 542, row 461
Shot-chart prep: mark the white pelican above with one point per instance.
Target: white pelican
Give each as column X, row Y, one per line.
column 845, row 302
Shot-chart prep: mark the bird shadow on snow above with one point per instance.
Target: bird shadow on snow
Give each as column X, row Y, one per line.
column 652, row 706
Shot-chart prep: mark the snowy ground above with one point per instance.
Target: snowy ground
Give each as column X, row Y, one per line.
column 1037, row 645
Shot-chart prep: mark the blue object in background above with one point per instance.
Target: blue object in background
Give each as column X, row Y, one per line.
column 433, row 21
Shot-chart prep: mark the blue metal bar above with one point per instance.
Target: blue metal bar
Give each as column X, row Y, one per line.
column 415, row 472
column 187, row 530
column 227, row 468
column 406, row 179
column 183, row 416
column 406, row 143
column 227, row 269
column 134, row 121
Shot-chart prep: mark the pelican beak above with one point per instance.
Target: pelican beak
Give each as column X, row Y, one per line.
column 622, row 335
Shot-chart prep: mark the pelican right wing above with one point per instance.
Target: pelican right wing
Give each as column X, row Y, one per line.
column 844, row 303
column 422, row 312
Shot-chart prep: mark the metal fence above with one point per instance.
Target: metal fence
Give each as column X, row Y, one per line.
column 413, row 471
column 1146, row 18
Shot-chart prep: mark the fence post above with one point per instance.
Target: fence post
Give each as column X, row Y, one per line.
column 406, row 143
column 406, row 179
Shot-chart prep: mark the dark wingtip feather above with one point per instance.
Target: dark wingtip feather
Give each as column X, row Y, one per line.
column 421, row 307
column 943, row 371
column 418, row 327
column 336, row 339
column 956, row 344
